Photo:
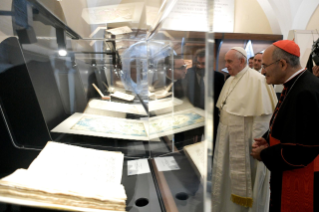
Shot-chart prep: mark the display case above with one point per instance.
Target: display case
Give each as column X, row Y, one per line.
column 115, row 77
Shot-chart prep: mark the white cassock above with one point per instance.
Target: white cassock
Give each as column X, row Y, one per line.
column 241, row 183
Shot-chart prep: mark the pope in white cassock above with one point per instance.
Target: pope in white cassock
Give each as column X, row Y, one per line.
column 246, row 104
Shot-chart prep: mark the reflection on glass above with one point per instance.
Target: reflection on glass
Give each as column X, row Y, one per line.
column 110, row 77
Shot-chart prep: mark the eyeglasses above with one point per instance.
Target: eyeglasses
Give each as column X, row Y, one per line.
column 200, row 63
column 183, row 67
column 263, row 66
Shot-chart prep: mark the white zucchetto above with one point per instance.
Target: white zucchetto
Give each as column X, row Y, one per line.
column 240, row 50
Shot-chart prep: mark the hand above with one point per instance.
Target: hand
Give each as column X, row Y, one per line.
column 179, row 73
column 259, row 142
column 315, row 71
column 255, row 152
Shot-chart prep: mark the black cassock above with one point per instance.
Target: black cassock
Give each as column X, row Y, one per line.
column 294, row 180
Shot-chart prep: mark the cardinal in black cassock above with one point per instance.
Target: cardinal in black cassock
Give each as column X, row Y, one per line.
column 291, row 152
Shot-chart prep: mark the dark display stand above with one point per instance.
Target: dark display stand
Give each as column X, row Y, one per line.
column 141, row 192
column 181, row 189
column 19, row 105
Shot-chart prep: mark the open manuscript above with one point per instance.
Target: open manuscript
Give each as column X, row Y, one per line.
column 66, row 175
column 155, row 127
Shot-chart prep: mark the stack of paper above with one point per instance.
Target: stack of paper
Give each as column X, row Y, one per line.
column 71, row 176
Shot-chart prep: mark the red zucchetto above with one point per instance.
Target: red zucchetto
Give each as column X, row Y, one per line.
column 288, row 46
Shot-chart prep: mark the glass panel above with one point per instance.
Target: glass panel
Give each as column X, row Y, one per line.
column 113, row 75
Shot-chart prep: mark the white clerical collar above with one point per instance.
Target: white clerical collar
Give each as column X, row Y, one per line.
column 241, row 72
column 292, row 76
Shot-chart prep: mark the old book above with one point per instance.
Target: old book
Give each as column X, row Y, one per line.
column 195, row 154
column 100, row 92
column 162, row 93
column 66, row 175
column 123, row 96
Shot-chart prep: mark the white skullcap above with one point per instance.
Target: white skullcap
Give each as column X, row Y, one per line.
column 240, row 50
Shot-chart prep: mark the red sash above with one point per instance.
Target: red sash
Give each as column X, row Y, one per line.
column 297, row 186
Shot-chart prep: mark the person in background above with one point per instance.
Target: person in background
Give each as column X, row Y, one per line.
column 289, row 149
column 179, row 68
column 246, row 103
column 315, row 71
column 257, row 61
column 251, row 62
column 177, row 73
column 193, row 85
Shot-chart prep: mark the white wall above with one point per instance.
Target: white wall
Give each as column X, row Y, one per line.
column 313, row 23
column 251, row 18
column 275, row 16
column 285, row 15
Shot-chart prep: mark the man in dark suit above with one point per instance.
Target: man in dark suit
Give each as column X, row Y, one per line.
column 194, row 88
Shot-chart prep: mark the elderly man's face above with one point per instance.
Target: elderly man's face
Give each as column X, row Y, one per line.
column 232, row 63
column 257, row 62
column 271, row 69
column 251, row 63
